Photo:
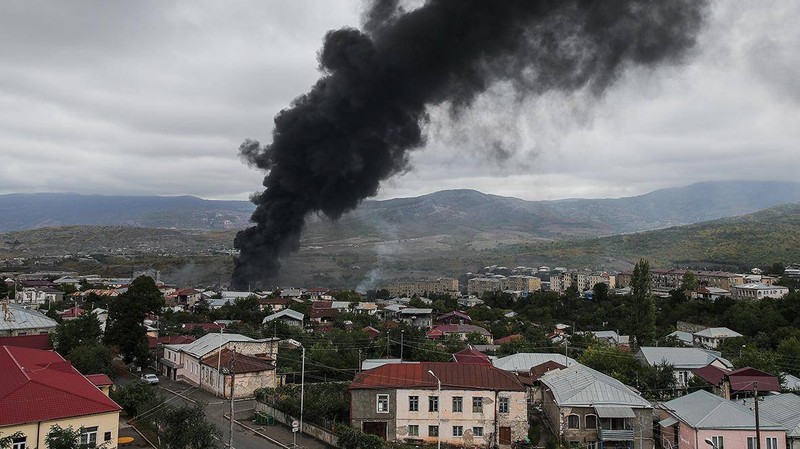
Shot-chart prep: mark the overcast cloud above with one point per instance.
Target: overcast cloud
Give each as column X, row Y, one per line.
column 152, row 97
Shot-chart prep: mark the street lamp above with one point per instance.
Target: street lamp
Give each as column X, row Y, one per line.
column 438, row 411
column 710, row 442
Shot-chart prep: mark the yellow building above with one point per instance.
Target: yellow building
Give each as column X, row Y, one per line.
column 40, row 389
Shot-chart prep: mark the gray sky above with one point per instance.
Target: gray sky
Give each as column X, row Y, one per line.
column 154, row 97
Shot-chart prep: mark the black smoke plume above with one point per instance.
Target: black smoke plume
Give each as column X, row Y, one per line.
column 355, row 127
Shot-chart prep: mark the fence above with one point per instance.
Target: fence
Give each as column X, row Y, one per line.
column 324, row 435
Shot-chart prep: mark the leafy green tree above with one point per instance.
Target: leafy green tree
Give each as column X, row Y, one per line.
column 642, row 322
column 689, row 282
column 135, row 397
column 7, row 441
column 67, row 438
column 92, row 358
column 657, row 382
column 125, row 326
column 761, row 359
column 777, row 269
column 600, row 291
column 789, row 351
column 187, row 428
column 84, row 330
column 615, row 362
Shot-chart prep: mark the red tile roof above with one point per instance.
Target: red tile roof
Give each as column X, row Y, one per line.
column 101, row 380
column 41, row 386
column 371, row 331
column 508, row 339
column 711, row 374
column 153, row 342
column 73, row 312
column 41, row 341
column 743, row 379
column 242, row 364
column 453, row 376
column 471, row 355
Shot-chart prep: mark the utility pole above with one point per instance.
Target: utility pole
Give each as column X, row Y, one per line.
column 402, row 333
column 233, row 379
column 758, row 428
column 566, row 351
column 359, row 360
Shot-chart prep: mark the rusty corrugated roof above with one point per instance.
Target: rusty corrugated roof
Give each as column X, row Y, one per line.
column 453, row 376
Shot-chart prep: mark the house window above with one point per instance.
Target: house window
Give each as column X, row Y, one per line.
column 751, row 442
column 717, row 442
column 477, row 405
column 573, row 422
column 19, row 443
column 89, row 436
column 433, row 403
column 477, row 431
column 682, row 378
column 107, row 436
column 433, row 431
column 591, row 445
column 591, row 421
column 458, row 404
column 413, row 430
column 413, row 403
column 772, row 443
column 458, row 431
column 502, row 405
column 383, row 403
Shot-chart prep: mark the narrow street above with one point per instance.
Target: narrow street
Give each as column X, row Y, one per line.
column 271, row 437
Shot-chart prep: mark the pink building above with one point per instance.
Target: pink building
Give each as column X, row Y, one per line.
column 702, row 420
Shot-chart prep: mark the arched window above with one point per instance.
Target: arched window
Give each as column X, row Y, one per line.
column 591, row 421
column 573, row 422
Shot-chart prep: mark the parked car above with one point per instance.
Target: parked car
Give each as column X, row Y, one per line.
column 152, row 379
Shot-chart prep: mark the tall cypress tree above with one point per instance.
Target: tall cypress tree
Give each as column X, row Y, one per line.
column 642, row 306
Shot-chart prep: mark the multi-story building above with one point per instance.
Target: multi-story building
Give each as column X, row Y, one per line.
column 669, row 279
column 586, row 408
column 560, row 282
column 462, row 404
column 587, row 281
column 522, row 283
column 441, row 286
column 758, row 291
column 209, row 361
column 704, row 420
column 40, row 389
column 478, row 286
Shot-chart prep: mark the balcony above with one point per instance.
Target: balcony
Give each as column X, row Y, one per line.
column 616, row 434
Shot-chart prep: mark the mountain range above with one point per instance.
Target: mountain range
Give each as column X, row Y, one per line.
column 459, row 212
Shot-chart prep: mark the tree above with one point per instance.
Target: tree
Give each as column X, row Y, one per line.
column 641, row 305
column 135, row 397
column 789, row 349
column 186, row 427
column 92, row 358
column 67, row 438
column 125, row 327
column 600, row 291
column 7, row 441
column 615, row 362
column 84, row 330
column 689, row 282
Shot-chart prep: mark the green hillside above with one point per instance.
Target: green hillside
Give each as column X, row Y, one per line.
column 751, row 240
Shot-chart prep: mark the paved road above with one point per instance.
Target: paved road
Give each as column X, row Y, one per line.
column 179, row 393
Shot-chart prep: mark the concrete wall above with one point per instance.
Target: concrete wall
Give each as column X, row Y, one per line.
column 315, row 431
column 363, row 408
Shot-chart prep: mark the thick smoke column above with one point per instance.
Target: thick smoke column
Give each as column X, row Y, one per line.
column 354, row 129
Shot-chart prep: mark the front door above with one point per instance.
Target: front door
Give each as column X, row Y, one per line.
column 505, row 435
column 375, row 428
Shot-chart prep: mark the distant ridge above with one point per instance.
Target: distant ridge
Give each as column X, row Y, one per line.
column 463, row 213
